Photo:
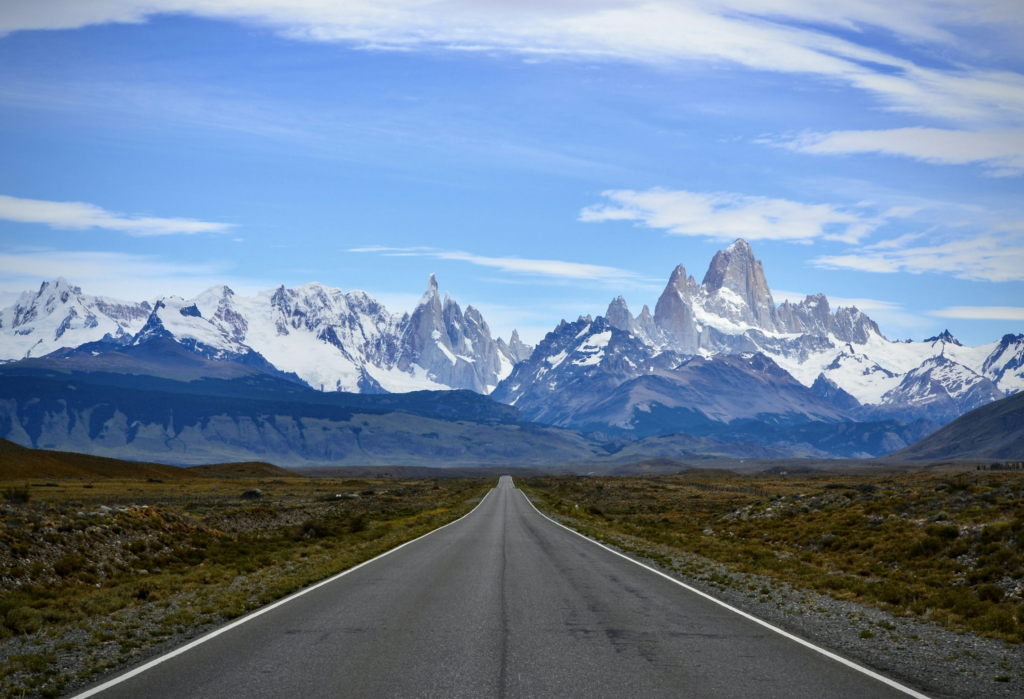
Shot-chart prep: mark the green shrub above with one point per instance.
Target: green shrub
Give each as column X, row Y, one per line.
column 16, row 493
column 23, row 620
column 69, row 564
column 990, row 593
column 942, row 531
column 358, row 524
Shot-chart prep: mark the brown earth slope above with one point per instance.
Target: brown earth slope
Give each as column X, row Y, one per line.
column 994, row 431
column 17, row 462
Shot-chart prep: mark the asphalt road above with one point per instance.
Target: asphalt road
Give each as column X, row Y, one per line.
column 503, row 603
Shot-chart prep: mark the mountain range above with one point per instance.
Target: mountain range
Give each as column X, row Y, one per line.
column 161, row 401
column 722, row 351
column 719, row 361
column 329, row 339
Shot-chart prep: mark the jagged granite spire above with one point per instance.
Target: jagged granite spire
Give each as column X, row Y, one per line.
column 736, row 270
column 618, row 315
column 673, row 313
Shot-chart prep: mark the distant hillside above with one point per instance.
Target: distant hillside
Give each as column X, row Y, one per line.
column 166, row 367
column 994, row 431
column 18, row 463
column 159, row 402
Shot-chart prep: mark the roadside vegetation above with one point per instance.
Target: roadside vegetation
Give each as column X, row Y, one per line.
column 96, row 573
column 947, row 548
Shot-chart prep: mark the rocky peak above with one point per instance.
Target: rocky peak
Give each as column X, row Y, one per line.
column 59, row 288
column 737, row 270
column 853, row 325
column 217, row 303
column 942, row 389
column 643, row 326
column 618, row 315
column 518, row 351
column 830, row 391
column 474, row 317
column 452, row 348
column 812, row 315
column 673, row 314
column 646, row 327
column 679, row 284
column 946, row 337
column 1006, row 363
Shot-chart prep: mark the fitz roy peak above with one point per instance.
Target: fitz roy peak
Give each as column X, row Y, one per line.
column 330, row 339
column 641, row 373
column 732, row 310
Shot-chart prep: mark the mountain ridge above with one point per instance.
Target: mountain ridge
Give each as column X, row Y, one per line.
column 330, row 339
column 840, row 355
column 347, row 341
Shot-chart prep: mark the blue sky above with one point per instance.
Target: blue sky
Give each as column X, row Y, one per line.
column 541, row 158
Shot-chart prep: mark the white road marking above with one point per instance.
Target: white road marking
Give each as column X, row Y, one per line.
column 262, row 610
column 829, row 654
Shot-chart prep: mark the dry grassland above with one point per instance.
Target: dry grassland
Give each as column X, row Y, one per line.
column 95, row 573
column 948, row 548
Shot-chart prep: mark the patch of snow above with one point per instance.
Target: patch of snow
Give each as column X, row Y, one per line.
column 556, row 359
column 396, row 381
column 451, row 357
column 593, row 348
column 505, row 367
column 731, row 297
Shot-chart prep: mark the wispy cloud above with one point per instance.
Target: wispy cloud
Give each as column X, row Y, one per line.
column 864, row 304
column 788, row 36
column 556, row 269
column 892, row 316
column 79, row 215
column 1000, row 152
column 724, row 215
column 994, row 257
column 119, row 275
column 981, row 312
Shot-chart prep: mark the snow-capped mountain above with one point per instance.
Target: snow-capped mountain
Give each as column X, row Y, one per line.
column 348, row 341
column 732, row 310
column 942, row 390
column 60, row 315
column 451, row 347
column 840, row 355
column 331, row 339
column 593, row 376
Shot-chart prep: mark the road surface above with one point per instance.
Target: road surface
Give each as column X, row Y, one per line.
column 502, row 603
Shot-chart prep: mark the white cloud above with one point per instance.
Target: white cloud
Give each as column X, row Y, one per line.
column 863, row 304
column 981, row 312
column 545, row 268
column 792, row 296
column 118, row 275
column 891, row 316
column 989, row 257
column 79, row 215
column 776, row 35
column 726, row 216
column 1001, row 152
